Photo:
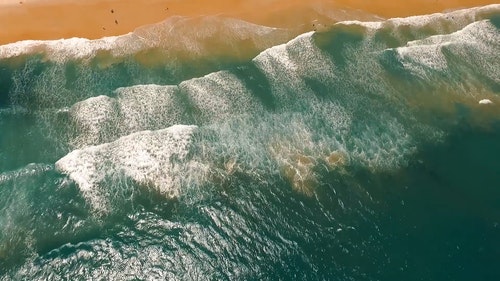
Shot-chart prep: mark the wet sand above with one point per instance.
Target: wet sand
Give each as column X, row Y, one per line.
column 54, row 19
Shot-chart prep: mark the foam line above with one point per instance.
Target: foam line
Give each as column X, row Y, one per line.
column 481, row 36
column 173, row 36
column 150, row 158
column 329, row 110
column 219, row 95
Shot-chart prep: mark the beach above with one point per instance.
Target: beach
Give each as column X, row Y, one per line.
column 55, row 19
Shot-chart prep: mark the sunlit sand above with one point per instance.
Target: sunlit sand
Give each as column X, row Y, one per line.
column 55, row 19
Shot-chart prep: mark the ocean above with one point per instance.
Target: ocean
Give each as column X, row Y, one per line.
column 211, row 148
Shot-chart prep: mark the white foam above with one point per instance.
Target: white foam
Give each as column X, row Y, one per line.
column 155, row 159
column 457, row 18
column 286, row 66
column 383, row 151
column 441, row 22
column 481, row 37
column 485, row 101
column 136, row 108
column 176, row 34
column 149, row 107
column 482, row 32
column 219, row 95
column 28, row 171
column 279, row 54
column 373, row 25
column 90, row 117
column 414, row 57
column 73, row 48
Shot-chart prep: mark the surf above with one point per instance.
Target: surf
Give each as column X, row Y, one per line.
column 193, row 133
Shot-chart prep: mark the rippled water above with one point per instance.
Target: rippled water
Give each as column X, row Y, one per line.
column 358, row 152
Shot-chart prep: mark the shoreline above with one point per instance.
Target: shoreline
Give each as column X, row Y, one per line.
column 92, row 19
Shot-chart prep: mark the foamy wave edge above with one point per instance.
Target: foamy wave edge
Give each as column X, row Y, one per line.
column 155, row 159
column 168, row 35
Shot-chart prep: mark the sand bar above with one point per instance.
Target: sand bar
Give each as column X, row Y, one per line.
column 55, row 19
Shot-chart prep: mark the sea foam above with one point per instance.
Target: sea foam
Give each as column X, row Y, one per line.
column 219, row 95
column 175, row 37
column 422, row 26
column 136, row 108
column 155, row 159
column 333, row 106
column 477, row 44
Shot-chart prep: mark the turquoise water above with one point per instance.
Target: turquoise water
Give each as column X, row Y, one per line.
column 360, row 152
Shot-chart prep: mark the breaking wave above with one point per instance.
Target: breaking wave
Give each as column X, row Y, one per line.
column 160, row 114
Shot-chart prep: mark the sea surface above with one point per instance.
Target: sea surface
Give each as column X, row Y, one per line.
column 214, row 149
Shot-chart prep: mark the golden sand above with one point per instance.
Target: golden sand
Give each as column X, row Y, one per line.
column 54, row 19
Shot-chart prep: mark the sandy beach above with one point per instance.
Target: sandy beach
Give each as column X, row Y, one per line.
column 55, row 19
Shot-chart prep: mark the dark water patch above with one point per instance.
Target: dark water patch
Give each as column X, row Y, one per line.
column 20, row 91
column 172, row 69
column 468, row 163
column 387, row 38
column 443, row 223
column 23, row 142
column 257, row 82
column 40, row 211
column 337, row 40
column 319, row 88
column 36, row 83
column 399, row 35
column 495, row 20
column 5, row 84
column 391, row 63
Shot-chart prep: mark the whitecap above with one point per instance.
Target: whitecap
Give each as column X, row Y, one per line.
column 485, row 101
column 155, row 159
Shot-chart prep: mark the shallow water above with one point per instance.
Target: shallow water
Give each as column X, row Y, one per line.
column 359, row 152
